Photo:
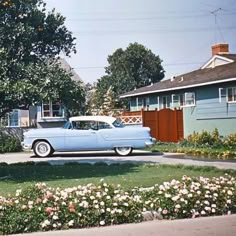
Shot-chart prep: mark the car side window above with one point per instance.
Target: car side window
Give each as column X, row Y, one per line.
column 84, row 125
column 103, row 125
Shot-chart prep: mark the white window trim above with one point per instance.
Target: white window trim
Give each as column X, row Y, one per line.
column 226, row 96
column 158, row 103
column 184, row 102
column 194, row 100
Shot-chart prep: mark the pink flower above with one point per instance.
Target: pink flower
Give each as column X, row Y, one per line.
column 165, row 212
column 38, row 200
column 48, row 210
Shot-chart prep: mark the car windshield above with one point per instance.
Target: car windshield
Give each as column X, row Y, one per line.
column 118, row 124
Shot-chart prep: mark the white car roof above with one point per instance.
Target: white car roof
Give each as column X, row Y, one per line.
column 108, row 119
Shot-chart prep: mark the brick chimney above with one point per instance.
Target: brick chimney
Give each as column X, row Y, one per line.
column 222, row 48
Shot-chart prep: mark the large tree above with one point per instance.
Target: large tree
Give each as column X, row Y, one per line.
column 31, row 40
column 134, row 67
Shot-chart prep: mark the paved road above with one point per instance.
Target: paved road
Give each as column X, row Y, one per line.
column 110, row 157
column 207, row 226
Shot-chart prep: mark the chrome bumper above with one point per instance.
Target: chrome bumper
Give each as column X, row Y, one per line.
column 26, row 147
column 150, row 143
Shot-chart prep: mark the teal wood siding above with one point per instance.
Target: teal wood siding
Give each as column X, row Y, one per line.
column 209, row 113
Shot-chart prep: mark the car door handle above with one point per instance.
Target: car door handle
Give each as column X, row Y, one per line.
column 93, row 132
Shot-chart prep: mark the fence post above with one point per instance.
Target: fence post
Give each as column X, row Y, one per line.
column 143, row 117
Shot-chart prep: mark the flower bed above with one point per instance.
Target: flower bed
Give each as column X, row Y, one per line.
column 41, row 208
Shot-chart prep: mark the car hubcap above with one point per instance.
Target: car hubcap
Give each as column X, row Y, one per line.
column 42, row 148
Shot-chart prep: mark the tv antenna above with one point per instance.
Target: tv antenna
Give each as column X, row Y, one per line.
column 216, row 16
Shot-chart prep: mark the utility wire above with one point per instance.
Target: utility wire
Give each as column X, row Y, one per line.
column 167, row 64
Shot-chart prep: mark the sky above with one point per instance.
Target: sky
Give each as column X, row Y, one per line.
column 180, row 32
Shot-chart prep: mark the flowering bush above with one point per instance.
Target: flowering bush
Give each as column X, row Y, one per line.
column 41, row 208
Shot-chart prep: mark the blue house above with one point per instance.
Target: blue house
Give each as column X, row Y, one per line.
column 207, row 96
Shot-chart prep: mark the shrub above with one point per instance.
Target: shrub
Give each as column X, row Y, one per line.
column 41, row 208
column 230, row 141
column 9, row 143
column 203, row 139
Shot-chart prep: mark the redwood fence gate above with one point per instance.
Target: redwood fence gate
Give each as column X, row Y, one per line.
column 166, row 125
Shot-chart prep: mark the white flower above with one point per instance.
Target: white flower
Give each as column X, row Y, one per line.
column 71, row 223
column 177, row 206
column 119, row 211
column 108, row 209
column 206, row 203
column 175, row 198
column 167, row 195
column 203, row 212
column 184, row 191
column 55, row 217
column 213, row 210
column 102, row 222
column 30, row 202
column 207, row 208
column 229, row 192
column 229, row 201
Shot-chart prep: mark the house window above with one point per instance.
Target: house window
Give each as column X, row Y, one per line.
column 11, row 119
column 140, row 102
column 166, row 102
column 231, row 96
column 227, row 95
column 189, row 99
column 52, row 109
column 182, row 100
column 177, row 100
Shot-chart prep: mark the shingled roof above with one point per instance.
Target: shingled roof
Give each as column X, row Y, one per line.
column 200, row 77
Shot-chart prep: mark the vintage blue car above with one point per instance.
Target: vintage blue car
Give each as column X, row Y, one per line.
column 87, row 133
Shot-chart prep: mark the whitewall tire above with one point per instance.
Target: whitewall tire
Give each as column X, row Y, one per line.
column 123, row 151
column 42, row 149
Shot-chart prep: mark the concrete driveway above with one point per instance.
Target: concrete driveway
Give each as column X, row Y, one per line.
column 109, row 157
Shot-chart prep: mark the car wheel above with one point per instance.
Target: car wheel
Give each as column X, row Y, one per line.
column 42, row 149
column 123, row 151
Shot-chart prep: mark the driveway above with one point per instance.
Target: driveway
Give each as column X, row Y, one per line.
column 109, row 157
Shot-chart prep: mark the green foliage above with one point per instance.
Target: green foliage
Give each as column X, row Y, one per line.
column 230, row 141
column 134, row 67
column 30, row 41
column 204, row 144
column 9, row 143
column 203, row 139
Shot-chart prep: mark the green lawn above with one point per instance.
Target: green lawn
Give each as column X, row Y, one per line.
column 16, row 176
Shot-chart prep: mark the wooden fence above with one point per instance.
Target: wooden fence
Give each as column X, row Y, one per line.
column 166, row 125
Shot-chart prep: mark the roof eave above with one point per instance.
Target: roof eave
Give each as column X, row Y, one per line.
column 180, row 87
